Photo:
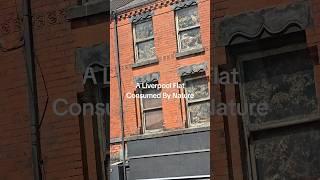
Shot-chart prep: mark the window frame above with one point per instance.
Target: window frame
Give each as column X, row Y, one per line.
column 136, row 42
column 178, row 30
column 190, row 102
column 276, row 124
column 143, row 115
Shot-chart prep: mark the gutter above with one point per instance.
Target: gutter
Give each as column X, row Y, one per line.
column 32, row 90
column 118, row 74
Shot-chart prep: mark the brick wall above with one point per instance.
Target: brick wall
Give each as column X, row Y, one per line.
column 166, row 48
column 226, row 162
column 55, row 43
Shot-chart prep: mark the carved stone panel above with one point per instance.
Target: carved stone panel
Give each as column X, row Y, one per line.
column 148, row 78
column 95, row 57
column 249, row 25
column 192, row 69
column 141, row 17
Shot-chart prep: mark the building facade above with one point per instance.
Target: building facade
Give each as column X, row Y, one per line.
column 274, row 45
column 160, row 43
column 68, row 40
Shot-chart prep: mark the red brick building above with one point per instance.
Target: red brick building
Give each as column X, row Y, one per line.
column 161, row 42
column 274, row 45
column 64, row 36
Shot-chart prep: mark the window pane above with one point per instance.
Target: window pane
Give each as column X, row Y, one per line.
column 289, row 154
column 153, row 119
column 188, row 17
column 197, row 87
column 146, row 50
column 285, row 82
column 144, row 30
column 151, row 102
column 190, row 39
column 199, row 112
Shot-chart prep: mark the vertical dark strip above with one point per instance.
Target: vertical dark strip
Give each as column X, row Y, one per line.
column 119, row 80
column 227, row 134
column 181, row 112
column 107, row 89
column 212, row 54
column 32, row 90
column 97, row 146
column 83, row 142
column 242, row 136
column 136, row 104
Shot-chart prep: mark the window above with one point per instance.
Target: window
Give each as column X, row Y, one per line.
column 198, row 107
column 285, row 82
column 280, row 72
column 188, row 29
column 151, row 110
column 144, row 41
column 291, row 153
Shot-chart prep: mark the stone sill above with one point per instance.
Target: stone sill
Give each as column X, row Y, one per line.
column 88, row 9
column 161, row 134
column 189, row 52
column 145, row 63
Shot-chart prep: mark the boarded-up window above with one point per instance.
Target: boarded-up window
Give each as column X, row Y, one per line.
column 152, row 110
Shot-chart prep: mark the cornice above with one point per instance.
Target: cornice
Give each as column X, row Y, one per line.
column 265, row 22
column 149, row 6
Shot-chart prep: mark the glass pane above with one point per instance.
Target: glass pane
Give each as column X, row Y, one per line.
column 285, row 82
column 197, row 87
column 289, row 154
column 199, row 112
column 146, row 50
column 190, row 39
column 144, row 30
column 153, row 119
column 188, row 17
column 151, row 102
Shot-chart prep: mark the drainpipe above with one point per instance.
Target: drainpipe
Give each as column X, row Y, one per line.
column 117, row 57
column 32, row 90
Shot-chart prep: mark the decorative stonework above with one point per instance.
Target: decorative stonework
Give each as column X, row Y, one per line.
column 141, row 17
column 13, row 22
column 145, row 8
column 88, row 9
column 192, row 69
column 148, row 78
column 95, row 57
column 183, row 4
column 290, row 18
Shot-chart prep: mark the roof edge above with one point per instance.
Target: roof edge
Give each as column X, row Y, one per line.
column 128, row 6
